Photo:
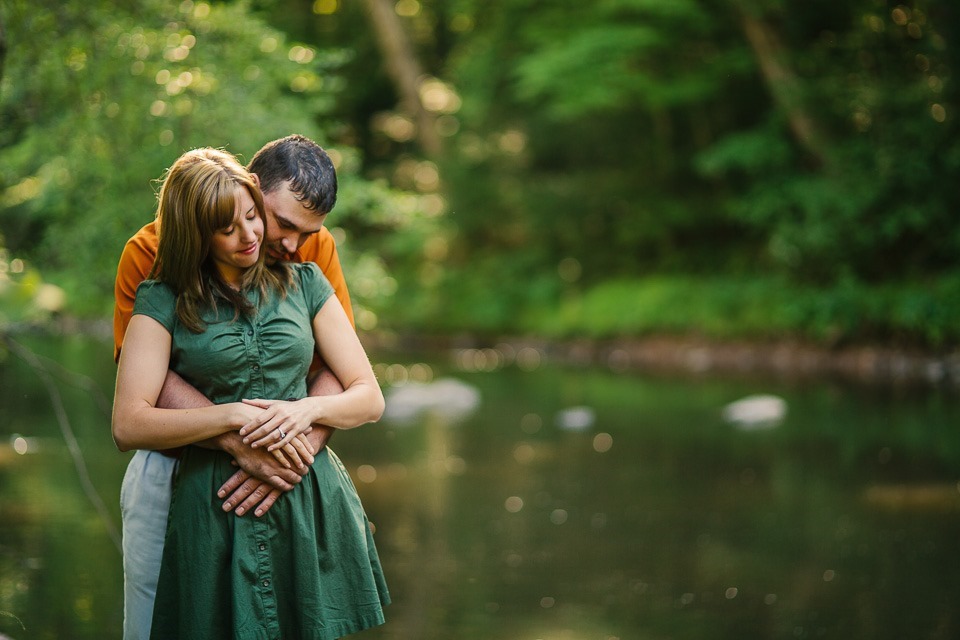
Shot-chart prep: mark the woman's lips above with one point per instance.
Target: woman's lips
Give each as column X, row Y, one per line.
column 251, row 250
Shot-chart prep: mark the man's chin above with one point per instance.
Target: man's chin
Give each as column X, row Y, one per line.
column 272, row 257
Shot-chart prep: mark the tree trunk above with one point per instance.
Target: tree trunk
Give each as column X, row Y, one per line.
column 782, row 83
column 404, row 70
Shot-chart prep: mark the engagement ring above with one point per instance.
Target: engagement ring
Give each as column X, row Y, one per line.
column 282, row 434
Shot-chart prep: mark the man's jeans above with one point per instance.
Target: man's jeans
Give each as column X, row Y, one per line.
column 144, row 503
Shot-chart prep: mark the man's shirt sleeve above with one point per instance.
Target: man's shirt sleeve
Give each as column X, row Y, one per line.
column 322, row 250
column 135, row 264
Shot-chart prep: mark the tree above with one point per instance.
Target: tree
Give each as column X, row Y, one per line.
column 100, row 97
column 404, row 69
column 884, row 138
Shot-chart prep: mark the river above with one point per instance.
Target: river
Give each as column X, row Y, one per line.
column 517, row 499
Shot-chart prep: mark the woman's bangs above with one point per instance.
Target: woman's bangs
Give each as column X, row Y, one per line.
column 222, row 205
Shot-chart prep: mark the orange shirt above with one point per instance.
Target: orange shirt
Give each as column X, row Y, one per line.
column 140, row 250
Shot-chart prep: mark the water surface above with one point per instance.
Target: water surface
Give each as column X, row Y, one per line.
column 644, row 515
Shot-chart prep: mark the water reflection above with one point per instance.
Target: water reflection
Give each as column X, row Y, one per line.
column 652, row 517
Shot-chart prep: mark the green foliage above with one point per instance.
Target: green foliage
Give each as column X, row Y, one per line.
column 762, row 308
column 24, row 297
column 610, row 102
column 877, row 83
column 620, row 52
column 99, row 99
column 654, row 139
column 596, row 144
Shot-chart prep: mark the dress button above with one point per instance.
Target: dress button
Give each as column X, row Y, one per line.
column 266, row 583
column 249, row 332
column 256, row 367
column 262, row 547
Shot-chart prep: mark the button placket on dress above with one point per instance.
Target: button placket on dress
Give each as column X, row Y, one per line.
column 260, row 526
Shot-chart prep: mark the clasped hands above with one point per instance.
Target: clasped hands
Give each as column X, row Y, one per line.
column 273, row 451
column 281, row 427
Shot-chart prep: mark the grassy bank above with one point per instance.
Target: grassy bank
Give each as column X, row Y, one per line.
column 723, row 308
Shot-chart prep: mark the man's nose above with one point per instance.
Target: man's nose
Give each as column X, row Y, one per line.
column 289, row 243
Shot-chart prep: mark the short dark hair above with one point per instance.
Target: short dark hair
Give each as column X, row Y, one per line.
column 303, row 163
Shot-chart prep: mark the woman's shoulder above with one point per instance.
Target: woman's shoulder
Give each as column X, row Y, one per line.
column 312, row 284
column 154, row 289
column 308, row 274
column 304, row 269
column 157, row 300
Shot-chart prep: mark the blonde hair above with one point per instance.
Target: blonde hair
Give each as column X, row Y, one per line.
column 197, row 199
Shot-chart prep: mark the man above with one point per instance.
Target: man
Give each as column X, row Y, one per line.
column 299, row 186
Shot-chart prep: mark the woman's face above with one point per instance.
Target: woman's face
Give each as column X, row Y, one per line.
column 237, row 247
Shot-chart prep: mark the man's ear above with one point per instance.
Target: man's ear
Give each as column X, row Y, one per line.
column 256, row 180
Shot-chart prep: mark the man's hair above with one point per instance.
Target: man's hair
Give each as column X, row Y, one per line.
column 197, row 199
column 302, row 162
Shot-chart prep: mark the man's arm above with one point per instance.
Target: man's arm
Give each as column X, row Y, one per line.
column 324, row 383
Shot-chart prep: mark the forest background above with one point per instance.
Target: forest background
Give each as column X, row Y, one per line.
column 732, row 169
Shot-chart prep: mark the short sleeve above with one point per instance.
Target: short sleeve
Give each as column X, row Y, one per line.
column 156, row 300
column 315, row 286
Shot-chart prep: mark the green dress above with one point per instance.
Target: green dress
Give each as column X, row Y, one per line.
column 309, row 567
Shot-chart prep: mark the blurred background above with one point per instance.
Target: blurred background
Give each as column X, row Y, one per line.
column 663, row 294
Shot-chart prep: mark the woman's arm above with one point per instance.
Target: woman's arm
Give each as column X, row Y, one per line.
column 360, row 402
column 137, row 422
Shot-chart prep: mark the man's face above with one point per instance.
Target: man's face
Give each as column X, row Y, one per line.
column 289, row 223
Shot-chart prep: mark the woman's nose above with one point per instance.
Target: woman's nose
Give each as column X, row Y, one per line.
column 248, row 232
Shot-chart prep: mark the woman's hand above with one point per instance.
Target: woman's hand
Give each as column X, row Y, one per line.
column 298, row 452
column 279, row 423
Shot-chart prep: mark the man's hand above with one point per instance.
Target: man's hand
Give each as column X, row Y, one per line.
column 243, row 492
column 258, row 484
column 262, row 464
column 246, row 492
column 260, row 480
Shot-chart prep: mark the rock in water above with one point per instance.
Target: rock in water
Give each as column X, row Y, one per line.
column 756, row 412
column 576, row 418
column 448, row 398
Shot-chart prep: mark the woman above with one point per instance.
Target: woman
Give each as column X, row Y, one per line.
column 244, row 333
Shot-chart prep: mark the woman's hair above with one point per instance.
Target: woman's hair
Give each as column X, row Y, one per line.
column 197, row 199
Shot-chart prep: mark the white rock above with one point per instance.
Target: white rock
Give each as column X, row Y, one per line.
column 576, row 418
column 448, row 398
column 759, row 411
